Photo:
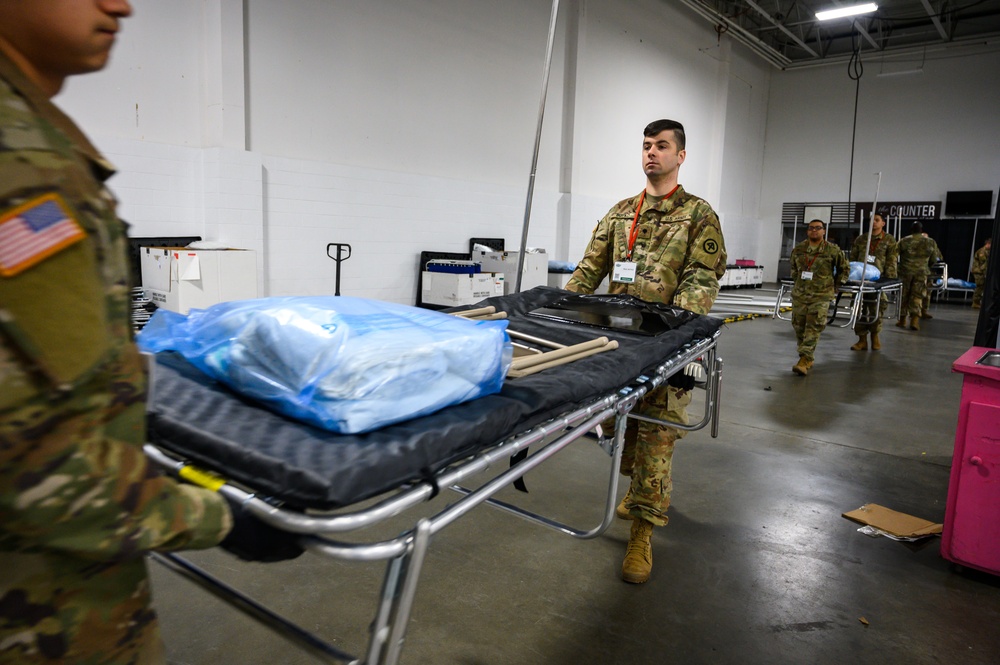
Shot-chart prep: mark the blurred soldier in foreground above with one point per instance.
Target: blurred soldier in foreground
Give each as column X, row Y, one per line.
column 79, row 502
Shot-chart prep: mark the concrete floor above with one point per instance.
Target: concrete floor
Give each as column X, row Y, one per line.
column 756, row 566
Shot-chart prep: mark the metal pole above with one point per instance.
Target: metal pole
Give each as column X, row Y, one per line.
column 538, row 139
column 868, row 248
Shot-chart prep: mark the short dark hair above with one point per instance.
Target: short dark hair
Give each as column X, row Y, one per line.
column 916, row 227
column 821, row 223
column 657, row 126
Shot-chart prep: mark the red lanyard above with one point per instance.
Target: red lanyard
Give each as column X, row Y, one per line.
column 813, row 260
column 634, row 232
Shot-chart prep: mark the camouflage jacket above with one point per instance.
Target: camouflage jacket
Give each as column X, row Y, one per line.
column 828, row 266
column 883, row 250
column 916, row 254
column 679, row 252
column 980, row 260
column 79, row 502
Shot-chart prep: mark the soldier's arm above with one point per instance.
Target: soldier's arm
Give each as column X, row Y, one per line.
column 594, row 265
column 857, row 249
column 841, row 267
column 68, row 483
column 704, row 264
column 891, row 261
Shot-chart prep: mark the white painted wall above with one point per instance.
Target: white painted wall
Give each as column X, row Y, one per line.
column 927, row 132
column 407, row 126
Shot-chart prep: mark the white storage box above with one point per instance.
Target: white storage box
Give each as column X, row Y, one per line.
column 452, row 289
column 536, row 268
column 182, row 279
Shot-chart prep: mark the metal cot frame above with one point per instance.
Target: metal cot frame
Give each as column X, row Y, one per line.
column 404, row 555
column 853, row 308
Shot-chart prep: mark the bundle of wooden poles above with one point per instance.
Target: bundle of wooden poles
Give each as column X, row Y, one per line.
column 530, row 360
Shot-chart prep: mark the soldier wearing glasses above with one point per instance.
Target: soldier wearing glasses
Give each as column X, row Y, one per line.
column 818, row 268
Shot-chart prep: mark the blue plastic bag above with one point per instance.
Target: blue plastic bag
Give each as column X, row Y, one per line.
column 871, row 273
column 561, row 266
column 349, row 365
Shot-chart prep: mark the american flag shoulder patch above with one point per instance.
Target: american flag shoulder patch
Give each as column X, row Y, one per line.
column 34, row 231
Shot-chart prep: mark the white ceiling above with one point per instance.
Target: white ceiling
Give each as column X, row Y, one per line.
column 787, row 34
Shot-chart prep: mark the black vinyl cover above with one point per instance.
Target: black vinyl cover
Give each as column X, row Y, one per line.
column 882, row 282
column 201, row 420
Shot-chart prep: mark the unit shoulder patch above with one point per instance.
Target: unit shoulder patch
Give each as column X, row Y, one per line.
column 34, row 231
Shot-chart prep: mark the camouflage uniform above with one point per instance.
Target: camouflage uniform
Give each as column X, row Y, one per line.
column 980, row 260
column 916, row 253
column 679, row 254
column 79, row 501
column 925, row 302
column 811, row 297
column 884, row 255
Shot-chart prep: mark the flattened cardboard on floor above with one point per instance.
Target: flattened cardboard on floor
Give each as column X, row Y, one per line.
column 893, row 522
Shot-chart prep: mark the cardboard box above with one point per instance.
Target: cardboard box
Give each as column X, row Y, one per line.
column 182, row 279
column 450, row 290
column 893, row 523
column 536, row 268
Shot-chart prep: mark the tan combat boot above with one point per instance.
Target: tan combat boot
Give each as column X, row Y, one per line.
column 861, row 344
column 621, row 511
column 638, row 561
column 902, row 322
column 802, row 367
column 914, row 323
column 926, row 315
column 876, row 344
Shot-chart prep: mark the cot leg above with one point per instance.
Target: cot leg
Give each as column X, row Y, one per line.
column 614, row 450
column 295, row 634
column 398, row 592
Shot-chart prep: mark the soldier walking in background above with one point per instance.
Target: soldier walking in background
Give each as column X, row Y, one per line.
column 916, row 254
column 818, row 268
column 925, row 303
column 979, row 263
column 666, row 246
column 883, row 254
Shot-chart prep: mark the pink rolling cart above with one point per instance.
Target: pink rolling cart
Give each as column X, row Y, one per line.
column 971, row 535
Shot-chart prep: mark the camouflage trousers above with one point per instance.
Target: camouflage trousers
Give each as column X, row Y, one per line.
column 868, row 313
column 977, row 295
column 57, row 610
column 808, row 321
column 647, row 456
column 914, row 289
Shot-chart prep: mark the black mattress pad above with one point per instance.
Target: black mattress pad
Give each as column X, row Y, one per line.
column 203, row 421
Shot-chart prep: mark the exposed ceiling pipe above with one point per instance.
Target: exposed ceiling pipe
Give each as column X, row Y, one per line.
column 781, row 27
column 934, row 19
column 738, row 33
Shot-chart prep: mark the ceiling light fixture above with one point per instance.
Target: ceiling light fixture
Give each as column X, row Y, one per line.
column 841, row 12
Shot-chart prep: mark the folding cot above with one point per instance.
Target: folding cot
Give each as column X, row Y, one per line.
column 857, row 290
column 313, row 482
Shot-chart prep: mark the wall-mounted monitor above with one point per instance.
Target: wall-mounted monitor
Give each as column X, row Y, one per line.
column 968, row 204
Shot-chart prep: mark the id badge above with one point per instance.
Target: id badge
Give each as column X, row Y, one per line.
column 624, row 272
column 807, row 274
column 871, row 258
